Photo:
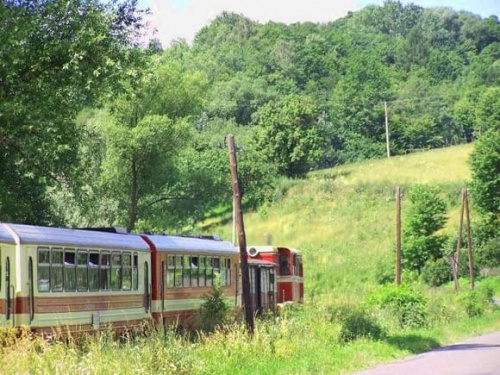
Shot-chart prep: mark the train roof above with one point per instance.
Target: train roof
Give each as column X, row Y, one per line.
column 29, row 234
column 189, row 244
column 254, row 250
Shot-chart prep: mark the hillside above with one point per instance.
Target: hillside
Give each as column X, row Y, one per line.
column 343, row 218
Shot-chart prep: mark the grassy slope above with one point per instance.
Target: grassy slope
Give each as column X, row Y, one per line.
column 343, row 218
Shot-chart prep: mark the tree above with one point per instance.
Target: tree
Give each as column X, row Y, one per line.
column 56, row 58
column 485, row 167
column 288, row 134
column 426, row 216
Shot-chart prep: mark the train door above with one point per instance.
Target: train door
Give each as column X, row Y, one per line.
column 258, row 289
column 9, row 294
column 31, row 291
column 146, row 287
column 295, row 283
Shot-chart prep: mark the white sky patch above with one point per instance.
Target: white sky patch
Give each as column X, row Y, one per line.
column 175, row 19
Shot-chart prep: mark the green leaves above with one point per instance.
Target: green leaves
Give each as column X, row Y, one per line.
column 288, row 134
column 426, row 216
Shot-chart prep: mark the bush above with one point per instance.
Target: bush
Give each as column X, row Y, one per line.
column 214, row 310
column 355, row 323
column 385, row 272
column 407, row 306
column 427, row 215
column 488, row 255
column 437, row 272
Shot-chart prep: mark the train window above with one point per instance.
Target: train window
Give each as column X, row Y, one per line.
column 271, row 280
column 81, row 270
column 56, row 270
column 284, row 269
column 195, row 262
column 222, row 264
column 43, row 270
column 127, row 272
column 116, row 271
column 201, row 271
column 93, row 271
column 186, row 272
column 105, row 271
column 209, row 272
column 135, row 272
column 178, row 271
column 171, row 271
column 69, row 270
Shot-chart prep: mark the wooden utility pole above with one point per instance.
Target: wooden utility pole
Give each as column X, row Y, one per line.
column 398, row 236
column 245, row 277
column 456, row 265
column 387, row 131
column 469, row 241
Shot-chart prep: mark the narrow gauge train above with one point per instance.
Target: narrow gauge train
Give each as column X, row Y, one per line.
column 290, row 271
column 70, row 280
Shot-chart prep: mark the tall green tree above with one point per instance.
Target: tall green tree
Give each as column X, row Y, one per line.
column 289, row 136
column 55, row 58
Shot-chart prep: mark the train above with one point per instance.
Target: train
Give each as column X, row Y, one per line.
column 72, row 281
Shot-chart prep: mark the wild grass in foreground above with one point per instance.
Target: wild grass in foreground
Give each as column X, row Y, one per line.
column 308, row 339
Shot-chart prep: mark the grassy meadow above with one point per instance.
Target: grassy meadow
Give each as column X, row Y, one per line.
column 343, row 221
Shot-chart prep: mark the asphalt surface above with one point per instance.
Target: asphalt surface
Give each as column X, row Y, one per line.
column 476, row 356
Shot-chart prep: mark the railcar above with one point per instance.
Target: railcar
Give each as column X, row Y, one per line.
column 78, row 281
column 184, row 270
column 290, row 272
column 263, row 289
column 60, row 281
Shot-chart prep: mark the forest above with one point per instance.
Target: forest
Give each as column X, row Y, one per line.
column 99, row 128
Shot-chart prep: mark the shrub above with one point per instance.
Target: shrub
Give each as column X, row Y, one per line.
column 437, row 272
column 407, row 306
column 355, row 323
column 488, row 255
column 214, row 310
column 385, row 272
column 477, row 301
column 427, row 215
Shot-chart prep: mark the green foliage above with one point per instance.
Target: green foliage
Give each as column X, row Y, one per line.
column 475, row 302
column 488, row 254
column 485, row 167
column 355, row 323
column 426, row 216
column 409, row 307
column 214, row 309
column 437, row 272
column 385, row 272
column 288, row 134
column 57, row 58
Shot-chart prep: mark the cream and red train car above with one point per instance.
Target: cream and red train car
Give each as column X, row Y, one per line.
column 73, row 279
column 184, row 270
column 290, row 272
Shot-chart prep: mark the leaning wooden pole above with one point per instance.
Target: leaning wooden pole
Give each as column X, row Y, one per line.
column 398, row 236
column 456, row 273
column 469, row 241
column 245, row 277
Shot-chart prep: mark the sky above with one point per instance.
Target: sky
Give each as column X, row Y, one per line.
column 182, row 19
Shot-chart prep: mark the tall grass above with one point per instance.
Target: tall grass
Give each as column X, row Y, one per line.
column 304, row 340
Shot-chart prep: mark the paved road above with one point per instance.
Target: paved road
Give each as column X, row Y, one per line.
column 477, row 356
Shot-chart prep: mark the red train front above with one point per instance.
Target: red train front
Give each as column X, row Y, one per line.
column 289, row 272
